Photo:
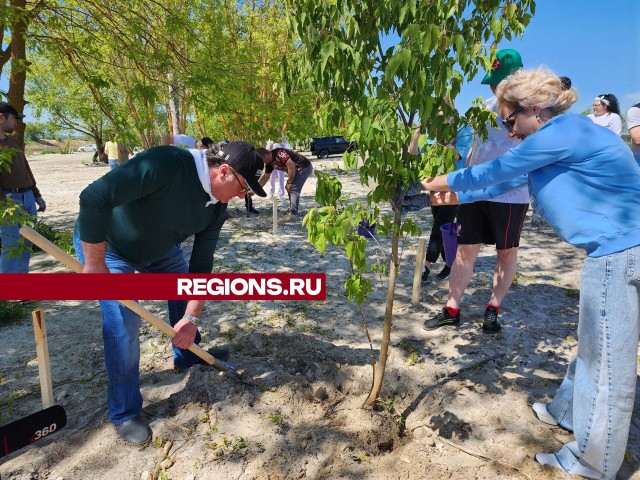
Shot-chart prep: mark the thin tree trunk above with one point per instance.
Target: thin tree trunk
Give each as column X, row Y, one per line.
column 378, row 375
column 18, row 74
column 174, row 106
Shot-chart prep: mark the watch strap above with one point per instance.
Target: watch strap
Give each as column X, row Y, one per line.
column 192, row 319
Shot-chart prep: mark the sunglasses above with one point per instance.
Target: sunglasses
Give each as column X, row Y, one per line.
column 244, row 190
column 509, row 122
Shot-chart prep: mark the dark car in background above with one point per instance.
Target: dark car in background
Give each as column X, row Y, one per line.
column 322, row 147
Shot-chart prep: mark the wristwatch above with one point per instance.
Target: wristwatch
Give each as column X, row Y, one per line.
column 192, row 319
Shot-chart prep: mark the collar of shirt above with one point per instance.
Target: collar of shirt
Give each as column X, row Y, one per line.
column 202, row 168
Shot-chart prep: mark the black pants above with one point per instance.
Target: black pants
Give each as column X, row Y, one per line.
column 441, row 215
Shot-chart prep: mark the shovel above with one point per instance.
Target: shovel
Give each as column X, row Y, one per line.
column 75, row 265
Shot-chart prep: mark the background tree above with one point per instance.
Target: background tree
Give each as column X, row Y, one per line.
column 387, row 90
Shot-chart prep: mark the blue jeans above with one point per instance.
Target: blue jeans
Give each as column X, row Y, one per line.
column 113, row 164
column 595, row 399
column 296, row 188
column 9, row 234
column 121, row 329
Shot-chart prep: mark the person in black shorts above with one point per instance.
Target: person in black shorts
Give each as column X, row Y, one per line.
column 493, row 222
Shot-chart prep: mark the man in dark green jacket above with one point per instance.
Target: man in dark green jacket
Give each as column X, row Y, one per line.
column 133, row 219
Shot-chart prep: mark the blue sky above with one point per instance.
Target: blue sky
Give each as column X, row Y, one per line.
column 595, row 43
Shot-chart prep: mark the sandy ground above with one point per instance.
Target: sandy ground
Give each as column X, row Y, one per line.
column 457, row 401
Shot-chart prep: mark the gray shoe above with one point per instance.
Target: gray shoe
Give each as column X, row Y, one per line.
column 135, row 431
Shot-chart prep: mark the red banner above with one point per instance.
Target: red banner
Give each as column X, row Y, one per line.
column 163, row 286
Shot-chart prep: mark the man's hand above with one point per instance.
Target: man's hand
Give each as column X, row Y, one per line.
column 185, row 334
column 42, row 205
column 443, row 198
column 288, row 186
column 94, row 254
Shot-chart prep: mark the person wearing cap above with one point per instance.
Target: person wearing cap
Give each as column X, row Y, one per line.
column 492, row 216
column 18, row 185
column 633, row 124
column 590, row 205
column 133, row 219
column 298, row 168
column 606, row 112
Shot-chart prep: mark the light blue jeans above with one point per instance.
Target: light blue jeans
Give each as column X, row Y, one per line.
column 121, row 329
column 9, row 234
column 595, row 399
column 113, row 164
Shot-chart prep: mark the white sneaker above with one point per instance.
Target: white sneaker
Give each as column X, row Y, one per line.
column 548, row 459
column 543, row 414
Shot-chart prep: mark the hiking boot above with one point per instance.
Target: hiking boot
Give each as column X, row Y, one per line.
column 442, row 319
column 491, row 323
column 444, row 273
column 425, row 275
column 135, row 431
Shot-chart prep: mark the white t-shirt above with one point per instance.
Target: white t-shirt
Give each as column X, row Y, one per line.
column 498, row 142
column 633, row 121
column 185, row 140
column 609, row 120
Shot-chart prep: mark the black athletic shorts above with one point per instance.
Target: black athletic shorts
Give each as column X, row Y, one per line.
column 491, row 223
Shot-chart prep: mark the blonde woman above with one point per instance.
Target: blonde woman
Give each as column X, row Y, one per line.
column 575, row 170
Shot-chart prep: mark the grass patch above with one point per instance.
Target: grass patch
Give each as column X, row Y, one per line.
column 11, row 311
column 63, row 239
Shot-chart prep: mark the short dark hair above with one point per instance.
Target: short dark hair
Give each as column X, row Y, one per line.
column 262, row 151
column 614, row 106
column 206, row 142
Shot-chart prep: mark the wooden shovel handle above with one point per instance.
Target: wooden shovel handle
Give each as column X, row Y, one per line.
column 75, row 265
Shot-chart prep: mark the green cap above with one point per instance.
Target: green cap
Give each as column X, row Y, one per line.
column 506, row 62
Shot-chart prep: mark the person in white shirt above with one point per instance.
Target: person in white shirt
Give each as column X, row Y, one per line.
column 180, row 140
column 633, row 124
column 606, row 112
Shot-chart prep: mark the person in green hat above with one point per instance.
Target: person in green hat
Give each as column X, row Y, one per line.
column 492, row 216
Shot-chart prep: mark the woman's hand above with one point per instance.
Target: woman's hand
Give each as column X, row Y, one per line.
column 443, row 198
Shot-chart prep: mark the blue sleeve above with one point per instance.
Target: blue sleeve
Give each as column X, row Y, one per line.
column 548, row 145
column 464, row 139
column 470, row 196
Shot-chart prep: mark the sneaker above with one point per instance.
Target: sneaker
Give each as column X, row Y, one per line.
column 491, row 323
column 290, row 218
column 425, row 275
column 135, row 431
column 442, row 319
column 444, row 273
column 542, row 412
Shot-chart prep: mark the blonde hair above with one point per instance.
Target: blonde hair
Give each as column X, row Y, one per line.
column 538, row 88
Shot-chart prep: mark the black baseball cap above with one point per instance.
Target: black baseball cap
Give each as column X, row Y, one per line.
column 6, row 108
column 243, row 158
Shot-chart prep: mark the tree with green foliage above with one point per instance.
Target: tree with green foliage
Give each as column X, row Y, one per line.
column 386, row 91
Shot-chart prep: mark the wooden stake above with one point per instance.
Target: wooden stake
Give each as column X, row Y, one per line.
column 42, row 351
column 275, row 200
column 417, row 274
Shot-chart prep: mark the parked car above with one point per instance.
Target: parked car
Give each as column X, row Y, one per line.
column 88, row 148
column 324, row 146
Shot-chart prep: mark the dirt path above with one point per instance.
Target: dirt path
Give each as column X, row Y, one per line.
column 457, row 403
